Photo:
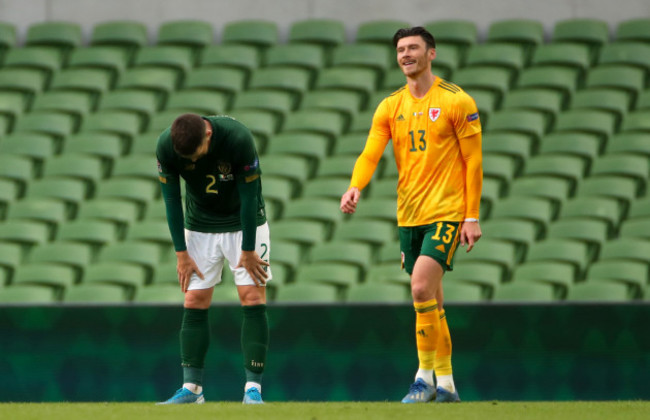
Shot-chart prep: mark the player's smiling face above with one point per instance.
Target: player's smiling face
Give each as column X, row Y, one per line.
column 413, row 56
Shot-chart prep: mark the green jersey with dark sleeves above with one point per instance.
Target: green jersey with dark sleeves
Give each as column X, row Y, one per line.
column 216, row 185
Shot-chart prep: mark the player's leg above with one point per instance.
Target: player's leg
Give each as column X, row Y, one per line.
column 255, row 326
column 446, row 389
column 195, row 326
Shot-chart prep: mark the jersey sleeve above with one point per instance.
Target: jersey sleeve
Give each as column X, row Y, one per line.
column 465, row 117
column 378, row 138
column 171, row 192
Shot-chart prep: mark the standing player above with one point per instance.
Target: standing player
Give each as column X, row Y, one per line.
column 436, row 137
column 224, row 220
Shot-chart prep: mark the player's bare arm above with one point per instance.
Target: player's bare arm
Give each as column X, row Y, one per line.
column 254, row 265
column 185, row 267
column 349, row 200
column 470, row 233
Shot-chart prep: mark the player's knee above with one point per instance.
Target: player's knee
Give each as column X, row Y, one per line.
column 197, row 300
column 422, row 292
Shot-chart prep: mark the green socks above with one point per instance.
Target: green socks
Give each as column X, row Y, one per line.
column 195, row 339
column 254, row 341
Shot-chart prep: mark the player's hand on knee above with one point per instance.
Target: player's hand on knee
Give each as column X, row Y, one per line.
column 185, row 267
column 255, row 266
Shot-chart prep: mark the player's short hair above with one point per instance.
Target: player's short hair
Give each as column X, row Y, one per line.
column 415, row 31
column 188, row 132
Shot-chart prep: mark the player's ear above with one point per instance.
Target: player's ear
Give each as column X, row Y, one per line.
column 432, row 53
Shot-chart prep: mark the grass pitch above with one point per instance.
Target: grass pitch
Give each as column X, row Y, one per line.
column 629, row 410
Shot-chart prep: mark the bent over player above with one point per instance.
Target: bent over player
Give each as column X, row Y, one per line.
column 436, row 136
column 224, row 220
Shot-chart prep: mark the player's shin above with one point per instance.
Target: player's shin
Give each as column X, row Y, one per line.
column 195, row 339
column 443, row 355
column 427, row 331
column 254, row 342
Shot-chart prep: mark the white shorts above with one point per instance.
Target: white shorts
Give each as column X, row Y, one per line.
column 210, row 250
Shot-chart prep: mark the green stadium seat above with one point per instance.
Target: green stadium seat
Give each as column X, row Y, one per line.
column 92, row 81
column 631, row 249
column 637, row 122
column 45, row 60
column 335, row 273
column 143, row 254
column 294, row 168
column 346, row 103
column 377, row 293
column 63, row 36
column 308, row 57
column 622, row 189
column 337, row 166
column 328, row 123
column 326, row 33
column 76, row 166
column 463, row 292
column 27, row 82
column 77, row 104
column 277, row 192
column 546, row 101
column 486, row 103
column 278, row 103
column 263, row 124
column 496, row 54
column 635, row 228
column 569, row 168
column 311, row 146
column 591, row 32
column 522, row 233
column 205, row 103
column 559, row 274
column 377, row 208
column 373, row 232
column 619, row 77
column 192, row 34
column 144, row 104
column 307, row 294
column 287, row 79
column 379, row 31
column 165, row 275
column 303, row 232
column 350, row 144
column 107, row 147
column 92, row 294
column 135, row 190
column 126, row 275
column 345, row 252
column 492, row 251
column 393, row 80
column 492, row 192
column 493, row 79
column 375, row 57
column 25, row 233
column 49, row 211
column 261, row 34
column 528, row 292
column 160, row 80
column 599, row 291
column 603, row 209
column 525, row 33
column 227, row 293
column 27, row 295
column 12, row 105
column 7, row 37
column 387, row 273
column 531, row 123
column 151, row 231
column 95, row 233
column 582, row 145
column 632, row 274
column 362, row 122
column 54, row 124
column 35, row 146
column 633, row 54
column 325, row 188
column 287, row 254
column 461, row 34
column 11, row 255
column 598, row 123
column 8, row 193
column 123, row 123
column 643, row 101
column 69, row 254
column 179, row 59
column 135, row 166
column 111, row 60
column 613, row 101
column 561, row 251
column 362, row 81
column 486, row 275
column 17, row 169
column 160, row 294
column 496, row 166
column 593, row 232
column 517, row 146
column 243, row 58
column 69, row 190
column 128, row 35
column 564, row 54
column 322, row 210
column 557, row 78
column 45, row 274
column 553, row 189
column 390, row 253
column 633, row 30
column 625, row 165
column 229, row 81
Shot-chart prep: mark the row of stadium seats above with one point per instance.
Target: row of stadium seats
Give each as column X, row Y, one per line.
column 563, row 180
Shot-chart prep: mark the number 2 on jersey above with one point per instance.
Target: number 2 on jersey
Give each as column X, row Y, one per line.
column 209, row 189
column 422, row 142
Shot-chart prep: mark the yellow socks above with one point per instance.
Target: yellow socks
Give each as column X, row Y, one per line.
column 442, row 364
column 427, row 331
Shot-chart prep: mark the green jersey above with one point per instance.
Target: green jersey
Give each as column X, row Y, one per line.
column 214, row 183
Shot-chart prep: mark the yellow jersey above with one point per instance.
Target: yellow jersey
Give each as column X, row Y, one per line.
column 428, row 135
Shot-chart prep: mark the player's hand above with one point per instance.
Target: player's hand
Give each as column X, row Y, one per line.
column 470, row 233
column 349, row 200
column 254, row 265
column 185, row 267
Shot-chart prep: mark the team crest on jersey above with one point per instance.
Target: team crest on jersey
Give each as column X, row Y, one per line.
column 434, row 113
column 224, row 167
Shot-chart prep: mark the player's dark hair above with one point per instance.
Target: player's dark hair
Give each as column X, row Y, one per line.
column 415, row 31
column 188, row 132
